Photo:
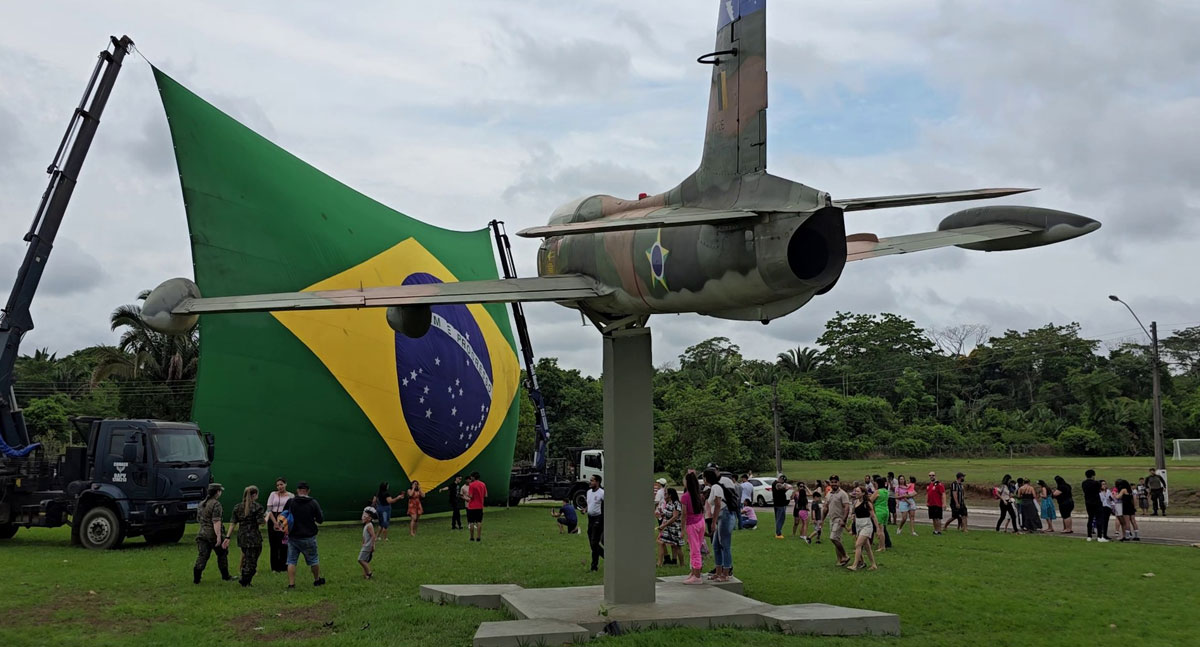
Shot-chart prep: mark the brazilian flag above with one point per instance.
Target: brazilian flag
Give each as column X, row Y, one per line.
column 333, row 397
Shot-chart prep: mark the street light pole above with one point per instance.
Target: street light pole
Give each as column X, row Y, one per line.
column 1160, row 463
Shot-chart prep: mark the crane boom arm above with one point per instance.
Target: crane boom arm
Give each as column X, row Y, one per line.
column 16, row 319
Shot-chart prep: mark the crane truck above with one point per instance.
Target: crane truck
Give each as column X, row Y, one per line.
column 134, row 477
column 563, row 478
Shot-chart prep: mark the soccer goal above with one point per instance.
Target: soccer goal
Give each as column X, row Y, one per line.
column 1187, row 449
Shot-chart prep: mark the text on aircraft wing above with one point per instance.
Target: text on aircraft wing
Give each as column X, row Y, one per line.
column 913, row 199
column 864, row 246
column 638, row 219
column 569, row 287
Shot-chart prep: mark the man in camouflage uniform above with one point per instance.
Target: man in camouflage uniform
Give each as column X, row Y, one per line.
column 247, row 516
column 211, row 535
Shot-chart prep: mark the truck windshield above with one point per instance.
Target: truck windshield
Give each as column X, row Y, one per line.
column 179, row 445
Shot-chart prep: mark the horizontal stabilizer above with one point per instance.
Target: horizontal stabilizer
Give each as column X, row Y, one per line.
column 864, row 246
column 664, row 217
column 913, row 199
column 568, row 287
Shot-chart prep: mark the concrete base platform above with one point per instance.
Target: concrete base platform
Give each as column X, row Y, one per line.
column 558, row 615
column 484, row 596
column 828, row 620
column 521, row 633
column 734, row 585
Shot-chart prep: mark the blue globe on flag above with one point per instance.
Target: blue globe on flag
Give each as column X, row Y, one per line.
column 445, row 379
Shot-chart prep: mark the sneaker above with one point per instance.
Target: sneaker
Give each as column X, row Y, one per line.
column 692, row 579
column 1089, row 538
column 1102, row 540
column 808, row 541
column 914, row 533
column 779, row 536
column 291, row 586
column 320, row 581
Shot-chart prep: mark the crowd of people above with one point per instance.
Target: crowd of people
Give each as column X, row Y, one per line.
column 702, row 517
column 293, row 520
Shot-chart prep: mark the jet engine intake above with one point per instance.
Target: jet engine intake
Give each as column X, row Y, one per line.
column 411, row 321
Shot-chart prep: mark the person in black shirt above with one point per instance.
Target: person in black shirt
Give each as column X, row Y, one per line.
column 779, row 498
column 1066, row 504
column 1091, row 501
column 302, row 534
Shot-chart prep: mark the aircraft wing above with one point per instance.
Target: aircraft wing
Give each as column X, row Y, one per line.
column 863, row 246
column 661, row 217
column 913, row 199
column 567, row 287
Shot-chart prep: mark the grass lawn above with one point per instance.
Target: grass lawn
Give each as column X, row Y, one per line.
column 948, row 590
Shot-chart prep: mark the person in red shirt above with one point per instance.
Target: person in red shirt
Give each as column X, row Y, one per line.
column 476, row 493
column 935, row 494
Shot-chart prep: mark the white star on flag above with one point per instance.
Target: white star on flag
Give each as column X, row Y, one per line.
column 404, row 381
column 437, row 361
column 428, row 412
column 454, row 411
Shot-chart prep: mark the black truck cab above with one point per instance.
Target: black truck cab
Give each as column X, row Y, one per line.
column 134, row 477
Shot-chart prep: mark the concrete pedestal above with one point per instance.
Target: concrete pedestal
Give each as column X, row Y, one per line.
column 572, row 614
column 628, row 466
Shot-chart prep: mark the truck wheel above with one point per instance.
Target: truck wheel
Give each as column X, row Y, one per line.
column 8, row 530
column 515, row 495
column 101, row 529
column 166, row 536
column 579, row 498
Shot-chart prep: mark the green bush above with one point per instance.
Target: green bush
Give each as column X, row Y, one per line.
column 1077, row 440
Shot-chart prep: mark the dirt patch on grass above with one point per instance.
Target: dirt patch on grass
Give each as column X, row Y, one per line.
column 291, row 623
column 86, row 608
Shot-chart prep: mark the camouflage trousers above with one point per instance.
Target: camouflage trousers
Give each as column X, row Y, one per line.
column 204, row 548
column 250, row 561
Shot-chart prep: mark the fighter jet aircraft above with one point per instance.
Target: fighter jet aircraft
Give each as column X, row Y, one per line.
column 730, row 241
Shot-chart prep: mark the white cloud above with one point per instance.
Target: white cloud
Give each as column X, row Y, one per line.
column 457, row 114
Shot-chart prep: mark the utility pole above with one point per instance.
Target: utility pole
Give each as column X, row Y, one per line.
column 775, row 414
column 1160, row 462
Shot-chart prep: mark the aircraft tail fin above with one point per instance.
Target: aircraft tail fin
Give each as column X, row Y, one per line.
column 735, row 140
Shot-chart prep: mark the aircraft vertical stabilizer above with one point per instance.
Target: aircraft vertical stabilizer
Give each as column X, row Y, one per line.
column 735, row 141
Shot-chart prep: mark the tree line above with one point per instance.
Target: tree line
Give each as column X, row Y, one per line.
column 877, row 384
column 145, row 375
column 873, row 384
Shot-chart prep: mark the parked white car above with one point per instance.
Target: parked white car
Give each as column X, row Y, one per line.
column 762, row 490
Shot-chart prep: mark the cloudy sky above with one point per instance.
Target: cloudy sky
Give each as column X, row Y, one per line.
column 458, row 113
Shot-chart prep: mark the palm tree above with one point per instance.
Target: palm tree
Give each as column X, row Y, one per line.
column 800, row 359
column 144, row 353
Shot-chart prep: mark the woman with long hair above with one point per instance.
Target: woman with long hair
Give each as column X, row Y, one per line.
column 693, row 525
column 1047, row 505
column 880, row 498
column 800, row 510
column 1066, row 503
column 865, row 525
column 670, row 529
column 415, row 509
column 246, row 517
column 1029, row 513
column 1128, row 511
column 276, row 538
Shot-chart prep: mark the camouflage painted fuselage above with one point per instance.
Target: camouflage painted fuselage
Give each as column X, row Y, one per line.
column 758, row 269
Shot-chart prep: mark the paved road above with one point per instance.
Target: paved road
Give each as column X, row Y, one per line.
column 1160, row 530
